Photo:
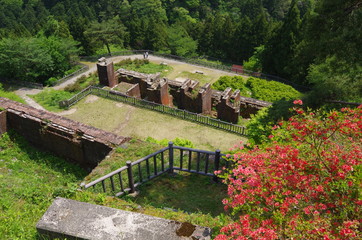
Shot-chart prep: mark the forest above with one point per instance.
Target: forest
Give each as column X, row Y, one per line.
column 316, row 43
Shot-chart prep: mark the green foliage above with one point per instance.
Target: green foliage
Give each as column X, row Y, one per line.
column 30, row 180
column 177, row 142
column 261, row 124
column 35, row 59
column 335, row 80
column 234, row 82
column 254, row 63
column 271, row 91
column 107, row 32
column 82, row 83
column 180, row 43
column 50, row 98
column 10, row 95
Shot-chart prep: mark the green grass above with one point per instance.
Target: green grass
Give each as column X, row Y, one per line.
column 6, row 92
column 126, row 120
column 131, row 151
column 50, row 98
column 184, row 191
column 202, row 78
column 29, row 181
column 143, row 66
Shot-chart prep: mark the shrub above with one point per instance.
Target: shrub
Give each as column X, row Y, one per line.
column 304, row 185
column 271, row 91
column 235, row 82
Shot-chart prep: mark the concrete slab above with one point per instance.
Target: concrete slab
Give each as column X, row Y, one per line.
column 77, row 220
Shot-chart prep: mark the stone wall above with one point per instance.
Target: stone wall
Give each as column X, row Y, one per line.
column 134, row 91
column 228, row 108
column 69, row 139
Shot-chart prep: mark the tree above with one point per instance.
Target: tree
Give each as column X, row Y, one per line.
column 304, row 185
column 280, row 49
column 179, row 42
column 36, row 59
column 106, row 33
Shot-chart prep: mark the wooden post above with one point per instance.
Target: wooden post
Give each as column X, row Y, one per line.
column 170, row 149
column 130, row 177
column 216, row 164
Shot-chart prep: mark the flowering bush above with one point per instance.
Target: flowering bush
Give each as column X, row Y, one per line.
column 305, row 185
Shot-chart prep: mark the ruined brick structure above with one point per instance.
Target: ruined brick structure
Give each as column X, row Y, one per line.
column 72, row 140
column 106, row 72
column 151, row 86
column 186, row 95
column 193, row 98
column 228, row 108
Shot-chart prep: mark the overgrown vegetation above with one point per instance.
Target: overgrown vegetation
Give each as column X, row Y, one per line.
column 270, row 91
column 50, row 98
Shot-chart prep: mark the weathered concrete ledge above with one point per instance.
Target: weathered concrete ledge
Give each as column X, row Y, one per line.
column 77, row 220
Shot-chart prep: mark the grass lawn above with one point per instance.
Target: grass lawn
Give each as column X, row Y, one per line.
column 185, row 192
column 31, row 179
column 126, row 120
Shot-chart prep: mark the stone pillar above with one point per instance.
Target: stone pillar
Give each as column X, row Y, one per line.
column 204, row 99
column 106, row 73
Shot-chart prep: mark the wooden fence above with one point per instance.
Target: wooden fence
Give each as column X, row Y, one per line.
column 183, row 114
column 166, row 160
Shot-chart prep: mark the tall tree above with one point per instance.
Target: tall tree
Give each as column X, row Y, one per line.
column 106, row 33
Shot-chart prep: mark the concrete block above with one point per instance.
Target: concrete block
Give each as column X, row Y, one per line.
column 69, row 219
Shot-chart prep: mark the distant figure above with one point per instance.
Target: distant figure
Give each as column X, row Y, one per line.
column 146, row 54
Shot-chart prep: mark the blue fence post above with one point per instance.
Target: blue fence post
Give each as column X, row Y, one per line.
column 216, row 165
column 170, row 150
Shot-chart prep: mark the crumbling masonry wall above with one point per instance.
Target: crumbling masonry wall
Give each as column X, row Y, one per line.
column 72, row 140
column 228, row 108
column 187, row 95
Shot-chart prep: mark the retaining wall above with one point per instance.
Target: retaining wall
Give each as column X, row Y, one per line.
column 72, row 140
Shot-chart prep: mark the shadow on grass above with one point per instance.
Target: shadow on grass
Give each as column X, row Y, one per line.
column 53, row 162
column 185, row 192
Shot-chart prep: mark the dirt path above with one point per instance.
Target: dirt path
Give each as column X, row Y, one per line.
column 128, row 117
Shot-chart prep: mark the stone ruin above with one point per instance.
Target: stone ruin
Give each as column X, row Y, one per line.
column 187, row 95
column 66, row 138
